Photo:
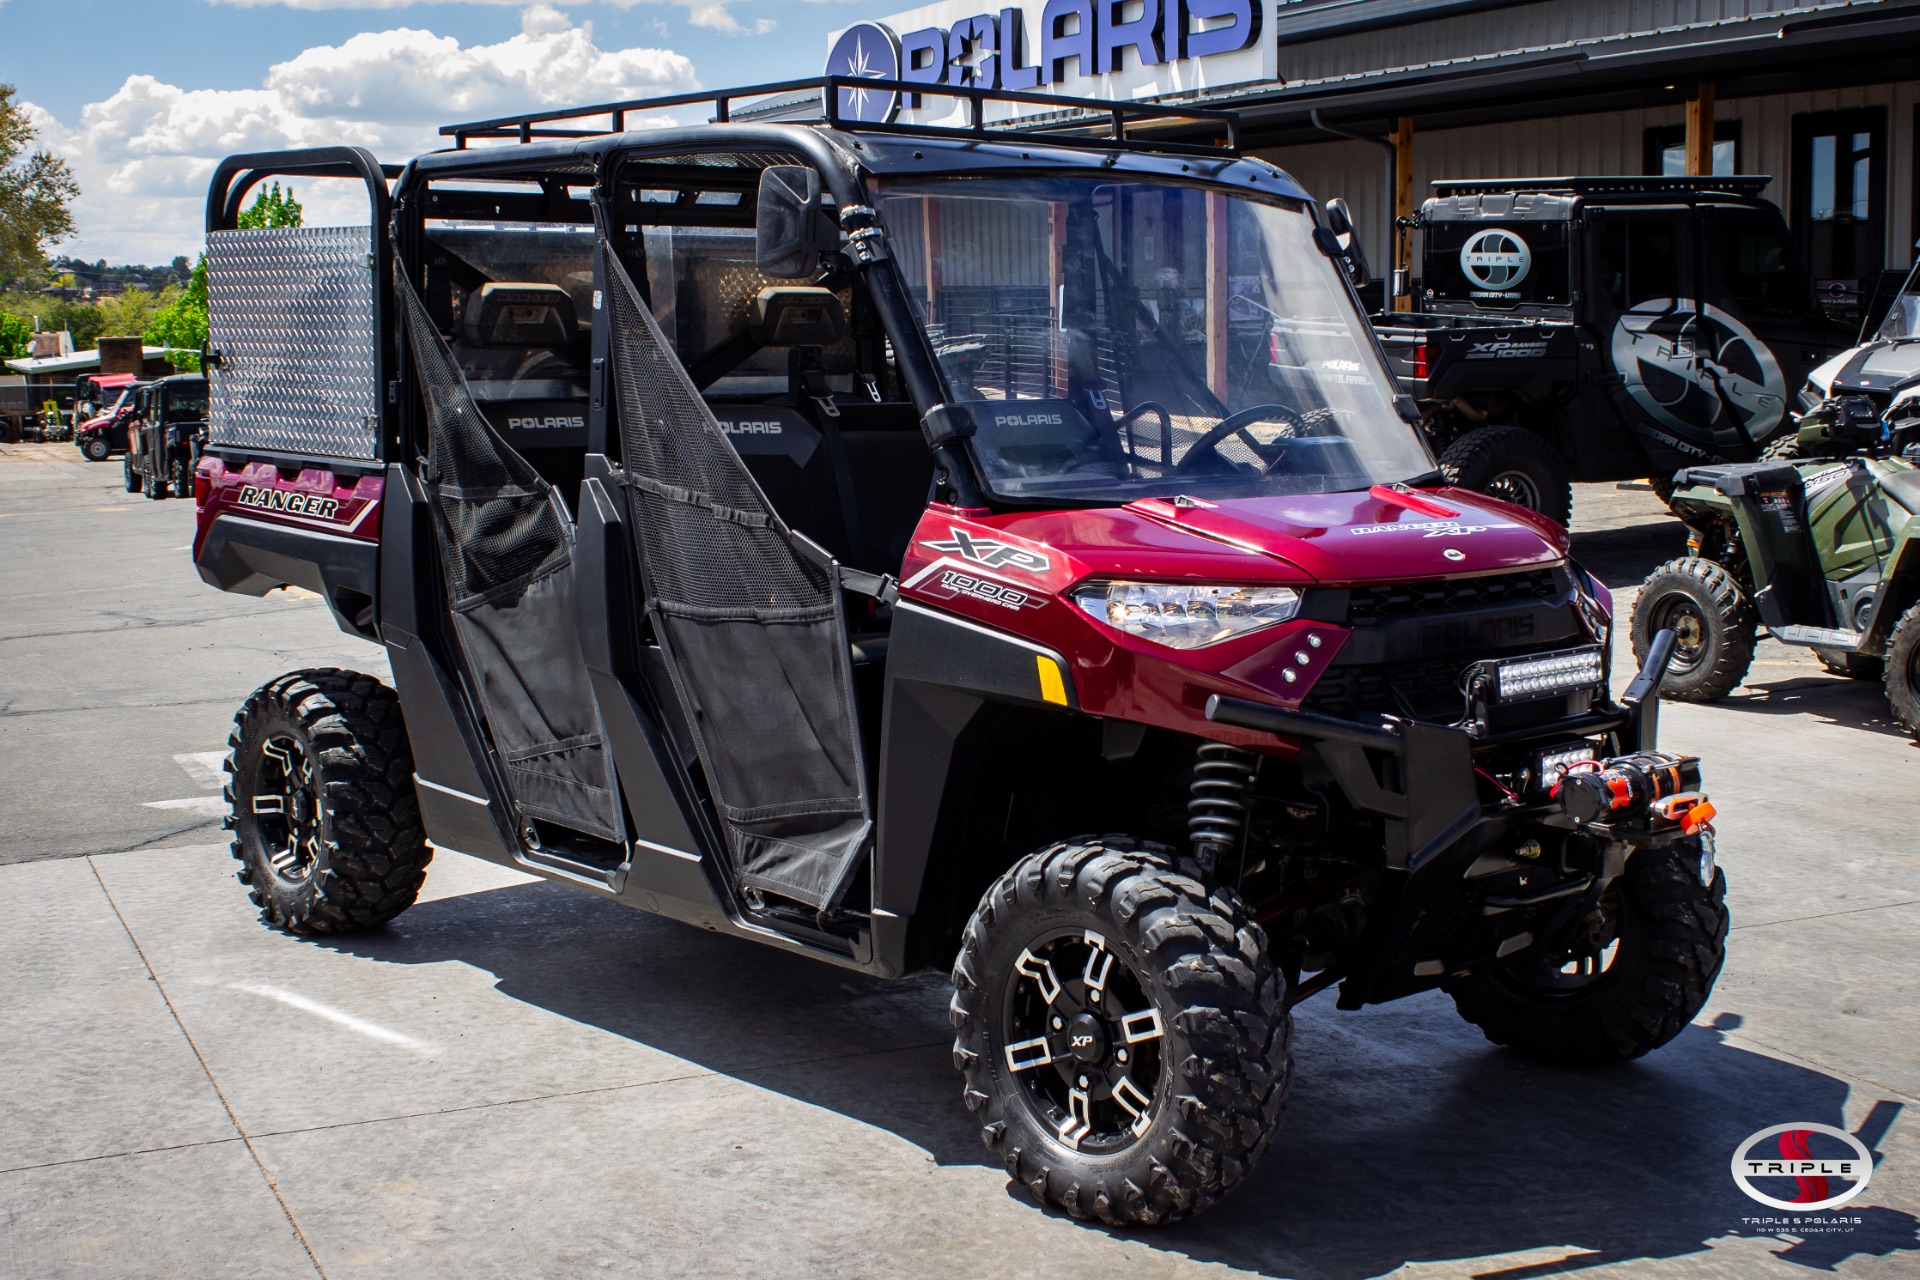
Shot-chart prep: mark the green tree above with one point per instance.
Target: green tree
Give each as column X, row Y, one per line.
column 271, row 208
column 181, row 325
column 36, row 195
column 134, row 310
column 15, row 334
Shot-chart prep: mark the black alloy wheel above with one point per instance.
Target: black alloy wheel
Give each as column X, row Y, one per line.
column 1084, row 1040
column 1124, row 1035
column 286, row 808
column 182, row 479
column 325, row 820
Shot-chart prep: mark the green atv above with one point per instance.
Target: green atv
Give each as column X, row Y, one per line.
column 1822, row 549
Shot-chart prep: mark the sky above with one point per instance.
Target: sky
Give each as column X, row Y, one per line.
column 144, row 97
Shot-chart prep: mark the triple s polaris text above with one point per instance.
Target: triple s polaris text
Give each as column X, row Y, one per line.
column 930, row 549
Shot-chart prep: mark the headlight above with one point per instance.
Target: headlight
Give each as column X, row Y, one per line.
column 1186, row 616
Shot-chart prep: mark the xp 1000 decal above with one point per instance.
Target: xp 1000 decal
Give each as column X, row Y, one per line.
column 1701, row 374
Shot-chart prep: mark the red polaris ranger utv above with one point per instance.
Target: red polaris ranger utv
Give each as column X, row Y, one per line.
column 921, row 548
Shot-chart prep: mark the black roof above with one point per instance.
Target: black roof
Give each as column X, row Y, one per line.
column 1745, row 186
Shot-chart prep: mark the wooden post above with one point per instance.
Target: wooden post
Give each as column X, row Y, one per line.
column 1402, row 256
column 1218, row 293
column 1700, row 130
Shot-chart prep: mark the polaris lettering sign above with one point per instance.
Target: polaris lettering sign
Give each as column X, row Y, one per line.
column 1495, row 261
column 1112, row 49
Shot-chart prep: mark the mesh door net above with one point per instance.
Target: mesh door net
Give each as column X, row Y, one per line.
column 751, row 628
column 506, row 548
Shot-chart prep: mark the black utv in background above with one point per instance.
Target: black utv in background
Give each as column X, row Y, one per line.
column 1604, row 329
column 167, row 432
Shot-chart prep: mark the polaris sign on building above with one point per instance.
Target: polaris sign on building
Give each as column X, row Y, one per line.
column 1116, row 49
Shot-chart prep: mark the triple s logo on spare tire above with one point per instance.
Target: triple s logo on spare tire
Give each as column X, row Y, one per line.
column 1699, row 372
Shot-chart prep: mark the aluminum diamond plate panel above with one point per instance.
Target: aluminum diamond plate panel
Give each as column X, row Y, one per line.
column 290, row 310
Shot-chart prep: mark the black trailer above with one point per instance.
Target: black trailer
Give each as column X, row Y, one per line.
column 1605, row 329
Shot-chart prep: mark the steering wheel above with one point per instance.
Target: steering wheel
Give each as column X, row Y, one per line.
column 1236, row 424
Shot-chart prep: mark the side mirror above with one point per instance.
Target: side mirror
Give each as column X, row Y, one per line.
column 792, row 227
column 1340, row 223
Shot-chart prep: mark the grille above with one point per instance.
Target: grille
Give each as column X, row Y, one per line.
column 1430, row 688
column 1383, row 603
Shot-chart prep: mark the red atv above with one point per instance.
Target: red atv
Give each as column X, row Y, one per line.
column 921, row 549
column 104, row 434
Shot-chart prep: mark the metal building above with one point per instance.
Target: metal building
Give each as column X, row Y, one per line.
column 1823, row 95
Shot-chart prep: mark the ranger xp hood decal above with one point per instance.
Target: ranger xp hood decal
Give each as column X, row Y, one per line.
column 990, row 552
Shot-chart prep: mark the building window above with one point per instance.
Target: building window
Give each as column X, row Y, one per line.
column 1840, row 194
column 1666, row 149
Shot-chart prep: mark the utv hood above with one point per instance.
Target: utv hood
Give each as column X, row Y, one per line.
column 1883, row 369
column 1328, row 537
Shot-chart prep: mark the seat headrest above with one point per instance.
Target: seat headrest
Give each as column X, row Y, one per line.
column 797, row 315
column 515, row 314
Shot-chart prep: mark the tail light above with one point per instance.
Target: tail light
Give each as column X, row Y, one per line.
column 202, row 485
column 1273, row 348
column 1420, row 359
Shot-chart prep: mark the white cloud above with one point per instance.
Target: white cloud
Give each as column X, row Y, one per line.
column 143, row 155
column 712, row 14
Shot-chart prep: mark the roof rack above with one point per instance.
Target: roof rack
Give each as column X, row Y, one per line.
column 1743, row 185
column 1080, row 114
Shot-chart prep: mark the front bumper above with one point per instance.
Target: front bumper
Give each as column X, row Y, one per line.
column 1423, row 781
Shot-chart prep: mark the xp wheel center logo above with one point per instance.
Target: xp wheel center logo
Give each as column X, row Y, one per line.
column 1495, row 260
column 1828, row 1166
column 866, row 51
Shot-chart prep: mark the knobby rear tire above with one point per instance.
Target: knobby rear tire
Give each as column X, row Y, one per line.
column 373, row 854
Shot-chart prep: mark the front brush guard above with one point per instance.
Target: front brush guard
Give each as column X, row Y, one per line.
column 1420, row 779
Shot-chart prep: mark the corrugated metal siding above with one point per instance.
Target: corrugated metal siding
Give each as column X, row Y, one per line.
column 1543, row 28
column 1607, row 143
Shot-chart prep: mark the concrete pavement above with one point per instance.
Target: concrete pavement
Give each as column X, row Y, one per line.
column 517, row 1079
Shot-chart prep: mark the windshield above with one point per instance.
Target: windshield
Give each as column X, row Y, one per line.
column 1118, row 339
column 1903, row 317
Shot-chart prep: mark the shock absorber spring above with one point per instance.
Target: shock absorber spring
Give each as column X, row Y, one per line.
column 1217, row 811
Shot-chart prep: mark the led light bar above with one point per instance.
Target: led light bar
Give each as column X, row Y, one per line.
column 1544, row 675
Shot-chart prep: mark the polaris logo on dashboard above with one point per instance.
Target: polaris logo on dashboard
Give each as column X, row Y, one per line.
column 289, row 501
column 546, row 424
column 990, row 552
column 745, row 428
column 1027, row 420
